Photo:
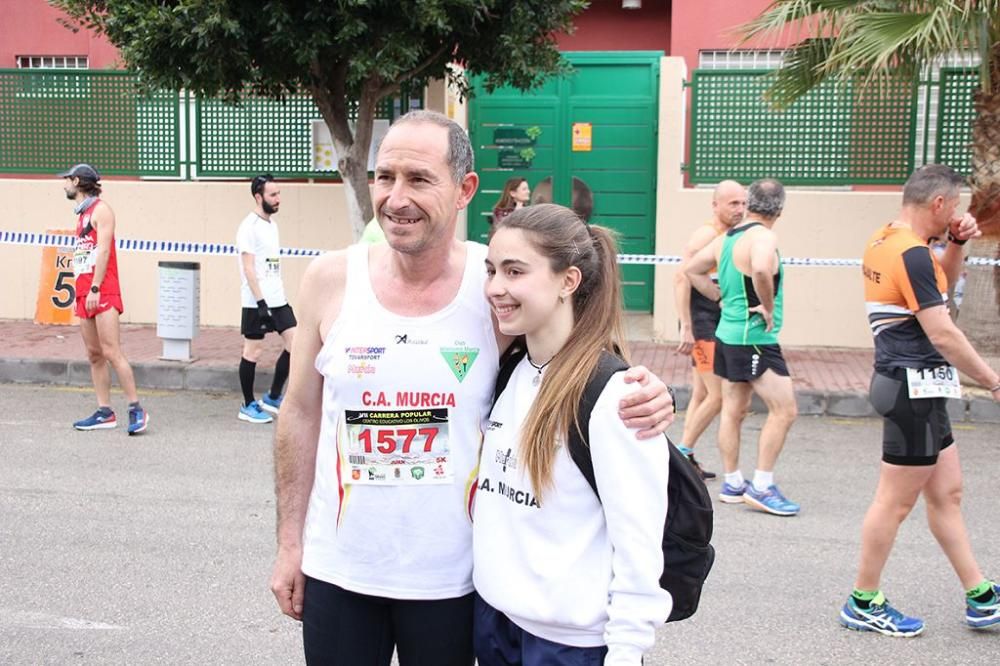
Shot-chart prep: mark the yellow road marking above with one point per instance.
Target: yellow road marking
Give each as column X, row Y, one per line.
column 116, row 391
column 843, row 421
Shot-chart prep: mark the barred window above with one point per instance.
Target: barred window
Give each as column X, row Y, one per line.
column 53, row 62
column 740, row 59
column 54, row 76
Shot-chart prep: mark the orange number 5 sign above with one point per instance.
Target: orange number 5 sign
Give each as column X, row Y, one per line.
column 56, row 284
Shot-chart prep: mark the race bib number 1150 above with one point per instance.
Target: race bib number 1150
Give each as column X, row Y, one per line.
column 397, row 447
column 940, row 382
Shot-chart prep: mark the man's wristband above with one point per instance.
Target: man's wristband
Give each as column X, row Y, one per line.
column 673, row 397
column 952, row 238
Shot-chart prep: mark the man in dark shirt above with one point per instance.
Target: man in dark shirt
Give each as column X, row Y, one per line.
column 918, row 353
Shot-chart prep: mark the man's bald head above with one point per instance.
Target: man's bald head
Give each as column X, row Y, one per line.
column 728, row 189
column 729, row 203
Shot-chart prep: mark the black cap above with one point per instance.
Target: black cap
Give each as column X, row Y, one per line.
column 82, row 171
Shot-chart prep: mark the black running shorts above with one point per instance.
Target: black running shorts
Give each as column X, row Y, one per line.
column 914, row 432
column 252, row 328
column 344, row 628
column 745, row 363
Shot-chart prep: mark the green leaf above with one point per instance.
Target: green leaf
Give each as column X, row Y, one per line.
column 870, row 42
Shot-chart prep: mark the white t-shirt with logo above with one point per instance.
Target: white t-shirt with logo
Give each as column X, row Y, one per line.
column 259, row 237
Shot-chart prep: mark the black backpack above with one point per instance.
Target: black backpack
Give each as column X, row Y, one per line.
column 687, row 554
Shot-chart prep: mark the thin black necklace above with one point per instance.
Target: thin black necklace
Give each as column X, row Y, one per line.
column 536, row 380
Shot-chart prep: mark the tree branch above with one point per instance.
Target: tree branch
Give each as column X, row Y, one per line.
column 394, row 86
column 330, row 94
column 365, row 123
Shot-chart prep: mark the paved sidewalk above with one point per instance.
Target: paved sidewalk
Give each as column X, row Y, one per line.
column 827, row 381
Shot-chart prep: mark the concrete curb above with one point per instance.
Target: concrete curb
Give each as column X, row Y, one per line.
column 181, row 376
column 166, row 375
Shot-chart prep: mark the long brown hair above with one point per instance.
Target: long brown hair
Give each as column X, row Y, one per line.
column 506, row 198
column 559, row 234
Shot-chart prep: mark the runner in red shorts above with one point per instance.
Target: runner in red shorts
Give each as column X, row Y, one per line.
column 99, row 300
column 699, row 317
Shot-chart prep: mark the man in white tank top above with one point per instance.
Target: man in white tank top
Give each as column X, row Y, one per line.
column 377, row 452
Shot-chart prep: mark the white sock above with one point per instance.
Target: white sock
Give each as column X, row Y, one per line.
column 735, row 479
column 762, row 480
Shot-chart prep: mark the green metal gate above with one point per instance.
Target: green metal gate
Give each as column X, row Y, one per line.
column 587, row 139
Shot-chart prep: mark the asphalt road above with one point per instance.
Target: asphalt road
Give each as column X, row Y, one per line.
column 157, row 549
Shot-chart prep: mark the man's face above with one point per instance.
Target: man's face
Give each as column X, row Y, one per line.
column 415, row 196
column 270, row 198
column 729, row 205
column 70, row 188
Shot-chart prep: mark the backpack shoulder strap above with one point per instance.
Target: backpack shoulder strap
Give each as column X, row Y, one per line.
column 508, row 361
column 579, row 447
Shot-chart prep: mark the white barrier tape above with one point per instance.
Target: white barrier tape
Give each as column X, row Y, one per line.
column 135, row 245
column 181, row 247
column 787, row 261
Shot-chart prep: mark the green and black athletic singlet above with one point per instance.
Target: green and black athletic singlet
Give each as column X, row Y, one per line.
column 737, row 325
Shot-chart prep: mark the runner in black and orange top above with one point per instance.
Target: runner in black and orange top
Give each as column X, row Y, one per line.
column 699, row 317
column 917, row 351
column 98, row 299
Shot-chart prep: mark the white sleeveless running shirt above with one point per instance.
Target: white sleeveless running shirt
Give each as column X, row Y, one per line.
column 404, row 404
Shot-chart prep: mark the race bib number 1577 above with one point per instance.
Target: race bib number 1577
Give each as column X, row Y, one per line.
column 397, row 447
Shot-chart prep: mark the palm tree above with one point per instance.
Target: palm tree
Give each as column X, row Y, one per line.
column 873, row 43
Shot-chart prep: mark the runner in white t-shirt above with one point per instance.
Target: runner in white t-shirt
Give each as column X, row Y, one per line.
column 265, row 307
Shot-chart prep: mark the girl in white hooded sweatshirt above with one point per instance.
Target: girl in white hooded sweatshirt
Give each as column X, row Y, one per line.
column 562, row 577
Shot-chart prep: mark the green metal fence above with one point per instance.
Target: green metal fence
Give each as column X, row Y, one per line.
column 954, row 120
column 52, row 119
column 834, row 135
column 280, row 137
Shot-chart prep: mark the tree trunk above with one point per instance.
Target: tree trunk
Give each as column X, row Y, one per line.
column 329, row 93
column 357, row 193
column 979, row 315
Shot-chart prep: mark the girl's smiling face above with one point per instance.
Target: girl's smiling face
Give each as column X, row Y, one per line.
column 520, row 285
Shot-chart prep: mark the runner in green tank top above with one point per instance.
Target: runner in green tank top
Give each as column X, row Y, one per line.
column 740, row 323
column 747, row 355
